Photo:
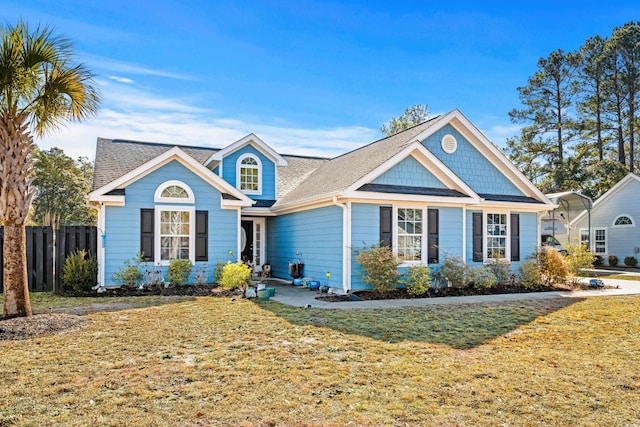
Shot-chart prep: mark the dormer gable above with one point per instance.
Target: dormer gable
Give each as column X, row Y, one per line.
column 250, row 165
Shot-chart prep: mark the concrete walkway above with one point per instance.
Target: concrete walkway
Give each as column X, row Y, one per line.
column 302, row 297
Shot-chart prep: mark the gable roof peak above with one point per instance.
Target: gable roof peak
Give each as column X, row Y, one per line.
column 254, row 140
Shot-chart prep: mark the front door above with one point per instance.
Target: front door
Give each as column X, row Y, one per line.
column 252, row 243
column 246, row 242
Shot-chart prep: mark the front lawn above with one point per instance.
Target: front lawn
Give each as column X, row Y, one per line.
column 214, row 361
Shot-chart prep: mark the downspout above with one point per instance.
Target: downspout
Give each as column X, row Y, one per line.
column 346, row 244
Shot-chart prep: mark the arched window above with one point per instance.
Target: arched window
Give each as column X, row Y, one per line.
column 249, row 174
column 173, row 228
column 624, row 221
column 174, row 192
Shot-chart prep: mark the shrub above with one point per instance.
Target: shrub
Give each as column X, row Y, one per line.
column 129, row 274
column 553, row 267
column 613, row 260
column 235, row 276
column 501, row 269
column 579, row 259
column 417, row 279
column 80, row 271
column 201, row 274
column 152, row 275
column 630, row 261
column 529, row 273
column 598, row 261
column 455, row 271
column 380, row 267
column 179, row 271
column 482, row 277
column 217, row 271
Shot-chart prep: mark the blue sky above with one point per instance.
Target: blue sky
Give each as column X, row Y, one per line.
column 307, row 77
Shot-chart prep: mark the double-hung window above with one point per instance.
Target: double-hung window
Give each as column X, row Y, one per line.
column 175, row 234
column 409, row 232
column 496, row 236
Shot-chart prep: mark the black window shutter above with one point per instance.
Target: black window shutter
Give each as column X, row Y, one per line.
column 432, row 235
column 386, row 226
column 515, row 237
column 477, row 237
column 202, row 236
column 146, row 233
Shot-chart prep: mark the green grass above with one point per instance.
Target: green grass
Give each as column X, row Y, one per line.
column 43, row 302
column 213, row 361
column 631, row 277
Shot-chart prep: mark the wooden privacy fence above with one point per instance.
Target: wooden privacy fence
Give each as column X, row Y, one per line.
column 47, row 252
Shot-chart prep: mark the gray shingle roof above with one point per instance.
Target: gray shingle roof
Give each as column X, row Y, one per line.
column 341, row 172
column 117, row 157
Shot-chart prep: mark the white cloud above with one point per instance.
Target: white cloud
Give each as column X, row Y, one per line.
column 183, row 129
column 120, row 79
column 115, row 66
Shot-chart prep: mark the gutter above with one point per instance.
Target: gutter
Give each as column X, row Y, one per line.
column 346, row 244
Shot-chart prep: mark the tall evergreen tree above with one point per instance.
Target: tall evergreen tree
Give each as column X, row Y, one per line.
column 626, row 43
column 412, row 116
column 548, row 98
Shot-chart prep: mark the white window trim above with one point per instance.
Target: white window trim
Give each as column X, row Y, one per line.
column 606, row 240
column 157, row 197
column 158, row 238
column 633, row 222
column 423, row 249
column 239, row 178
column 485, row 237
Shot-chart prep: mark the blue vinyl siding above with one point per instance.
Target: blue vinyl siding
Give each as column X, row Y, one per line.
column 365, row 231
column 316, row 235
column 123, row 222
column 470, row 165
column 229, row 170
column 409, row 172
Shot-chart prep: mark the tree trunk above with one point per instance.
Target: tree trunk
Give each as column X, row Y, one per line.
column 16, row 193
column 16, row 289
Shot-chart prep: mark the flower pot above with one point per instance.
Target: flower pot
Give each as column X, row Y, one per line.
column 263, row 295
column 297, row 282
column 272, row 292
column 314, row 285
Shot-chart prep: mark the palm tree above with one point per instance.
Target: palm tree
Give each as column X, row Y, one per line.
column 40, row 89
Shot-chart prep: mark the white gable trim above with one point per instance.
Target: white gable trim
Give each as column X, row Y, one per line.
column 253, row 140
column 428, row 160
column 183, row 158
column 487, row 149
column 606, row 196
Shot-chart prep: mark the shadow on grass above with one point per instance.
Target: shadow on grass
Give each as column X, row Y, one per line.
column 458, row 326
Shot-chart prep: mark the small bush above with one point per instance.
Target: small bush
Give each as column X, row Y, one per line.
column 380, row 267
column 217, row 271
column 598, row 261
column 455, row 271
column 613, row 260
column 129, row 274
column 179, row 271
column 501, row 269
column 201, row 273
column 482, row 277
column 417, row 279
column 529, row 273
column 630, row 261
column 152, row 275
column 578, row 260
column 235, row 276
column 553, row 267
column 80, row 271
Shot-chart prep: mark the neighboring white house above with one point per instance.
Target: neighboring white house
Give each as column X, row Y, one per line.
column 614, row 221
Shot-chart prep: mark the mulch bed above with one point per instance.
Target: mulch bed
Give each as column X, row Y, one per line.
column 370, row 294
column 186, row 290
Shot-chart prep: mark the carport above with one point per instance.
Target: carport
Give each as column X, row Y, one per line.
column 570, row 205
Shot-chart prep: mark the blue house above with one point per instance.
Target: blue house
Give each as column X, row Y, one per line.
column 438, row 189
